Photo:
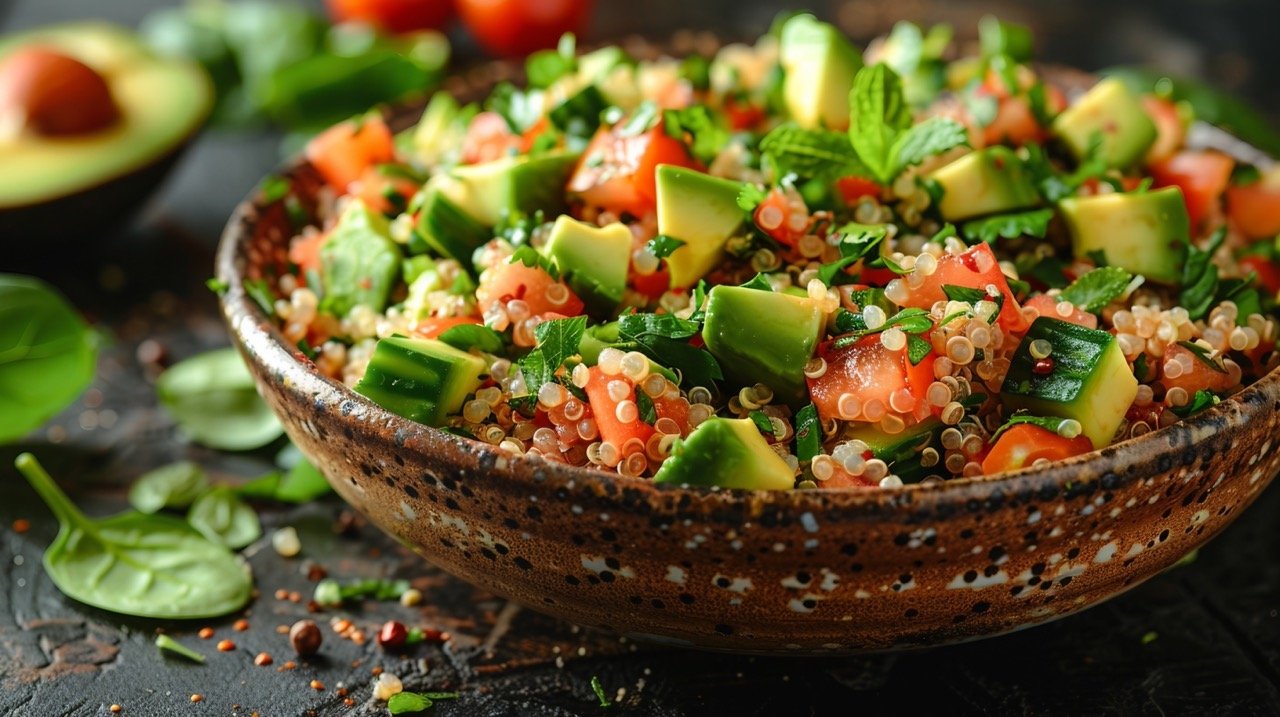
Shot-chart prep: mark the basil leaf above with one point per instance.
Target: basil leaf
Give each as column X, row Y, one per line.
column 1095, row 289
column 137, row 564
column 931, row 137
column 223, row 518
column 917, row 349
column 879, row 116
column 763, row 424
column 808, row 433
column 406, row 703
column 176, row 485
column 47, row 354
column 662, row 245
column 811, row 153
column 468, row 336
column 213, row 399
column 164, row 642
column 1009, row 226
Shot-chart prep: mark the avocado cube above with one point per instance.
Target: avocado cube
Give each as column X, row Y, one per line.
column 763, row 337
column 448, row 230
column 989, row 181
column 1146, row 233
column 524, row 184
column 1113, row 112
column 820, row 64
column 728, row 453
column 700, row 210
column 595, row 259
column 423, row 380
column 359, row 262
column 1088, row 379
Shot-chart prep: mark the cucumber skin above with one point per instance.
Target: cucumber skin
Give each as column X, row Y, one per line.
column 418, row 380
column 1076, row 352
column 449, row 231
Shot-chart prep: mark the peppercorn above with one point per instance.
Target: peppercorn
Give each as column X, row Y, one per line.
column 305, row 637
column 392, row 635
column 1042, row 367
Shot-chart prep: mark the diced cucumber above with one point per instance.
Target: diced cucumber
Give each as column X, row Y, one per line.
column 447, row 230
column 423, row 380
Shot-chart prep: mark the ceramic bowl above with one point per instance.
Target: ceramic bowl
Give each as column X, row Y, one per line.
column 802, row 572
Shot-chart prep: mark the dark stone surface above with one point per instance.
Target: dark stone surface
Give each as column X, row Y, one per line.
column 1201, row 639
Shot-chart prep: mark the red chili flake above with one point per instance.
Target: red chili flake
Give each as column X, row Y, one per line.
column 349, row 702
column 316, row 572
column 1043, row 367
column 341, row 692
column 377, row 670
column 392, row 635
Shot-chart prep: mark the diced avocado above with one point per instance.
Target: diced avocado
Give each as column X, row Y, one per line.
column 1112, row 111
column 601, row 336
column 440, row 132
column 1088, row 380
column 763, row 337
column 820, row 63
column 423, row 380
column 492, row 190
column 447, row 230
column 595, row 259
column 989, row 181
column 728, row 453
column 700, row 210
column 900, row 450
column 359, row 261
column 1146, row 233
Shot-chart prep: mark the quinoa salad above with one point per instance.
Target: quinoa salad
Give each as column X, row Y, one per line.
column 793, row 264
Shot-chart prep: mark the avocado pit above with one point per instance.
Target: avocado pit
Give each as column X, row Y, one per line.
column 52, row 94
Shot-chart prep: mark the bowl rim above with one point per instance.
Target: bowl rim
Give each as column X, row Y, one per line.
column 249, row 326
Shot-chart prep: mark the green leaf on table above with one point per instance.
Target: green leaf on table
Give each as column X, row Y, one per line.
column 168, row 644
column 223, row 518
column 47, row 354
column 1009, row 226
column 176, row 485
column 407, row 703
column 598, row 688
column 331, row 593
column 213, row 399
column 1097, row 288
column 137, row 564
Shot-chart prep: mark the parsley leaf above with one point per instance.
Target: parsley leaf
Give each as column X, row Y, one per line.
column 705, row 135
column 1202, row 353
column 750, row 197
column 917, row 349
column 543, row 68
column 662, row 245
column 1095, row 289
column 970, row 295
column 763, row 424
column 1049, row 424
column 558, row 339
column 811, row 153
column 1055, row 186
column 521, row 110
column 808, row 433
column 631, row 326
column 665, row 339
column 1200, row 277
column 530, row 257
column 579, row 115
column 856, row 241
column 909, row 321
column 1009, row 226
column 648, row 413
column 1202, row 400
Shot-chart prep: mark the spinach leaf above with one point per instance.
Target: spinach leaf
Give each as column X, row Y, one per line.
column 1009, row 226
column 47, row 354
column 359, row 261
column 176, row 485
column 1095, row 289
column 137, row 564
column 223, row 518
column 300, row 482
column 811, row 153
column 213, row 399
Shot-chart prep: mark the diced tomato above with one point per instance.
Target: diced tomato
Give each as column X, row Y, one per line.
column 346, row 150
column 840, row 478
column 778, row 217
column 304, row 251
column 1046, row 305
column 652, row 285
column 1268, row 273
column 617, row 170
column 677, row 409
column 432, row 327
column 852, row 189
column 488, row 138
column 1200, row 377
column 375, row 188
column 1171, row 131
column 517, row 27
column 1201, row 175
column 605, row 409
column 975, row 268
column 1014, row 124
column 514, row 280
column 870, row 372
column 1255, row 208
column 1024, row 444
column 743, row 115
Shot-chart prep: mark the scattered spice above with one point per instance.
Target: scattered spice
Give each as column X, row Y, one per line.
column 197, row 698
column 226, row 646
column 21, row 525
column 288, row 665
column 295, row 596
column 387, row 686
column 286, row 543
column 282, row 629
column 349, row 702
column 313, row 606
column 411, row 597
column 116, row 708
column 262, row 660
column 317, row 685
column 1150, row 637
column 341, row 692
column 282, row 594
column 392, row 635
column 205, row 633
column 357, row 636
column 305, row 637
column 377, row 670
column 240, row 625
column 316, row 572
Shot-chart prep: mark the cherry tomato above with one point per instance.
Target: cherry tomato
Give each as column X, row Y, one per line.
column 1024, row 444
column 518, row 27
column 1255, row 208
column 1268, row 273
column 57, row 94
column 395, row 16
column 1201, row 175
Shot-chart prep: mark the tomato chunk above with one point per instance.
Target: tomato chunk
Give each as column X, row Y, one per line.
column 1255, row 208
column 1046, row 305
column 1268, row 272
column 431, row 328
column 627, row 436
column 513, row 280
column 1171, row 131
column 1024, row 444
column 1195, row 374
column 617, row 169
column 1201, row 175
column 879, row 380
column 346, row 150
column 783, row 217
column 488, row 138
column 974, row 268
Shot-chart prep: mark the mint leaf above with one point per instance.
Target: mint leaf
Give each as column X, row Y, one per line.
column 662, row 245
column 811, row 153
column 1009, row 226
column 1097, row 288
column 808, row 433
column 856, row 241
column 932, row 136
column 879, row 114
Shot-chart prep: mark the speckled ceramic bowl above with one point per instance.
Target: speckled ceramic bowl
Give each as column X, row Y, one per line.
column 791, row 572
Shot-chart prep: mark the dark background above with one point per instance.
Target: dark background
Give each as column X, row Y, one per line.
column 1201, row 639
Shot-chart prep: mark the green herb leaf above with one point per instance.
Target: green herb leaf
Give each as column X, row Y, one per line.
column 331, row 593
column 521, row 110
column 1095, row 289
column 1200, row 277
column 1202, row 400
column 648, row 413
column 530, row 257
column 641, row 120
column 759, row 282
column 705, row 135
column 176, row 485
column 47, row 354
column 578, row 117
column 762, row 421
column 750, row 196
column 1009, row 226
column 544, row 67
column 665, row 339
column 137, row 564
column 1202, row 353
column 558, row 339
column 1141, row 370
column 997, row 37
column 213, row 399
column 262, row 294
column 217, row 286
column 909, row 321
column 662, row 245
column 879, row 115
column 404, row 703
column 632, row 327
column 856, row 241
column 168, row 644
column 917, row 349
column 223, row 518
column 599, row 690
column 1055, row 186
column 1050, row 423
column 931, row 137
column 808, row 433
column 696, row 69
column 811, row 153
column 468, row 336
column 970, row 295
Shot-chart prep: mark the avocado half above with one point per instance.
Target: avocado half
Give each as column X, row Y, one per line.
column 88, row 185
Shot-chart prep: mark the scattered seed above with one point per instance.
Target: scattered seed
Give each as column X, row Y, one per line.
column 116, row 708
column 197, row 698
column 305, row 637
column 205, row 633
column 282, row 629
column 282, row 594
column 317, row 685
column 288, row 665
column 226, row 646
column 262, row 660
column 392, row 635
column 411, row 597
column 387, row 686
column 21, row 525
column 240, row 625
column 286, row 543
